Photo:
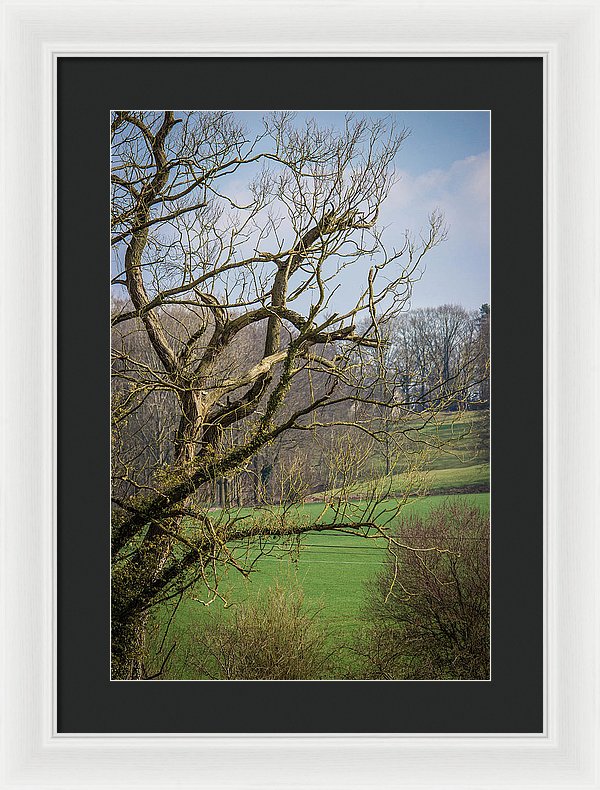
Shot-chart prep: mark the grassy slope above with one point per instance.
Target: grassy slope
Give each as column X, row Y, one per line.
column 457, row 457
column 433, row 480
column 462, row 437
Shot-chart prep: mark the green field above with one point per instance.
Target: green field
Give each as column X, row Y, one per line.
column 330, row 567
column 451, row 454
column 454, row 479
column 462, row 438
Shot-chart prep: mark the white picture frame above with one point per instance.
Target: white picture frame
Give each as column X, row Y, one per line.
column 566, row 36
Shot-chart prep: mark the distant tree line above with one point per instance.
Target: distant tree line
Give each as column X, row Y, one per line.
column 441, row 355
column 434, row 358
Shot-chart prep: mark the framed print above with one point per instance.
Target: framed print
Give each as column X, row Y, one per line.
column 443, row 438
column 530, row 718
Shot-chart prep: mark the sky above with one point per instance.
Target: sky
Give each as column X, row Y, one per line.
column 443, row 164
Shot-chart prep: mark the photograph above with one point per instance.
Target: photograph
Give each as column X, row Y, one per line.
column 296, row 353
column 300, row 362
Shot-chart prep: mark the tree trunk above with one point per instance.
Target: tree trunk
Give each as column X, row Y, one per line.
column 128, row 647
column 130, row 584
column 130, row 599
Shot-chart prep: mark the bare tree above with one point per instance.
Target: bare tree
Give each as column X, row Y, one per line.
column 440, row 355
column 482, row 341
column 229, row 251
column 428, row 610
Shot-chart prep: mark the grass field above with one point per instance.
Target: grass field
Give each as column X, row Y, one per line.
column 462, row 438
column 455, row 448
column 455, row 479
column 331, row 568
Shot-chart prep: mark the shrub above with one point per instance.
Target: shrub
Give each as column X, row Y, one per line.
column 270, row 638
column 428, row 610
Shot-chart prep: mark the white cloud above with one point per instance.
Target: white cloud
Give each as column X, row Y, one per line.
column 458, row 270
column 462, row 193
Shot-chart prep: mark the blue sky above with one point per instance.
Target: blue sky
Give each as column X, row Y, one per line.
column 444, row 164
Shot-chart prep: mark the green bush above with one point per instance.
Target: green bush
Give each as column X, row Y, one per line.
column 270, row 638
column 428, row 610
